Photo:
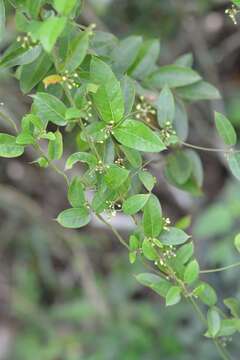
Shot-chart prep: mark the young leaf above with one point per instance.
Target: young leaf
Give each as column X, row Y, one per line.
column 135, row 203
column 50, row 30
column 152, row 217
column 234, row 164
column 173, row 296
column 147, row 179
column 49, row 107
column 138, row 136
column 76, row 193
column 174, row 236
column 115, row 176
column 191, row 272
column 237, row 242
column 8, row 146
column 154, row 282
column 33, row 73
column 55, row 147
column 225, row 129
column 214, row 322
column 2, row 19
column 172, row 76
column 74, row 218
column 165, row 107
column 109, row 98
column 148, row 250
column 64, row 7
column 82, row 157
column 77, row 50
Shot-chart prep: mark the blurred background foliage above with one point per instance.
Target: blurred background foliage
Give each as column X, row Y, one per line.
column 73, row 295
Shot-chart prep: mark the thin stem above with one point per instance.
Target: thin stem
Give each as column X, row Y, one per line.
column 220, row 269
column 116, row 233
column 202, row 148
column 9, row 120
column 51, row 164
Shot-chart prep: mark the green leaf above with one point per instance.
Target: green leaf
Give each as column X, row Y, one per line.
column 152, row 217
column 201, row 90
column 154, row 282
column 234, row 164
column 2, row 19
column 184, row 253
column 50, row 108
column 77, row 50
column 225, row 129
column 20, row 56
column 191, row 272
column 197, row 167
column 64, row 7
column 233, row 305
column 237, row 242
column 236, row 2
column 146, row 59
column 8, row 146
column 109, row 98
column 206, row 293
column 179, row 167
column 174, row 236
column 115, row 176
column 229, row 327
column 55, row 147
column 76, row 193
column 50, row 30
column 214, row 322
column 147, row 179
column 165, row 107
column 135, row 203
column 133, row 156
column 138, row 136
column 172, row 76
column 133, row 243
column 33, row 73
column 125, row 53
column 25, row 138
column 185, row 60
column 173, row 296
column 148, row 250
column 128, row 90
column 82, row 157
column 74, row 218
column 180, row 121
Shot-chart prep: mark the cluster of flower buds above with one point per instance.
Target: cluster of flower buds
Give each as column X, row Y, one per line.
column 167, row 131
column 70, row 80
column 144, row 110
column 232, row 13
column 166, row 223
column 113, row 208
column 100, row 167
column 26, row 41
column 119, row 161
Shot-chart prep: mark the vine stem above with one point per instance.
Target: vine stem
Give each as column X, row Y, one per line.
column 51, row 164
column 220, row 269
column 202, row 148
column 9, row 120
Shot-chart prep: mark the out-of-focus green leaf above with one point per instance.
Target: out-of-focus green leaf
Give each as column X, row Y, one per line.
column 225, row 129
column 172, row 76
column 74, row 218
column 200, row 90
column 165, row 107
